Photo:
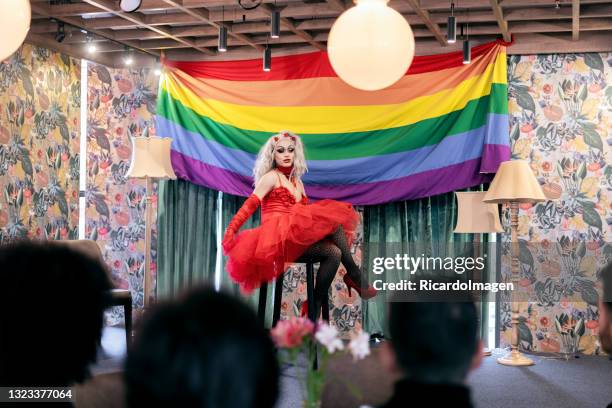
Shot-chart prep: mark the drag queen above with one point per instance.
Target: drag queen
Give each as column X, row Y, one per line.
column 291, row 229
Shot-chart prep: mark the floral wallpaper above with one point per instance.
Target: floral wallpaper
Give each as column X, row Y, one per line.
column 121, row 104
column 561, row 123
column 344, row 311
column 39, row 145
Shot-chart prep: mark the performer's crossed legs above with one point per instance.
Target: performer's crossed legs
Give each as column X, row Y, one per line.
column 328, row 255
column 353, row 271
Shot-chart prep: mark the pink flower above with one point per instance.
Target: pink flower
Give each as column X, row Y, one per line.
column 290, row 333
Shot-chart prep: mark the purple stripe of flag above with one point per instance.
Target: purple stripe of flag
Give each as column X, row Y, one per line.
column 427, row 183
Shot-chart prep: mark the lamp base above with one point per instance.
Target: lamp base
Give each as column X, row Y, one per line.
column 515, row 359
column 486, row 352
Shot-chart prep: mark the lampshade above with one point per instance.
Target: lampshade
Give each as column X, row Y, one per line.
column 514, row 181
column 370, row 46
column 474, row 216
column 14, row 25
column 151, row 158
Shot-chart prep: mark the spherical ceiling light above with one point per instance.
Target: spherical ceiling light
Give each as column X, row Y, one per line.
column 370, row 46
column 130, row 6
column 14, row 25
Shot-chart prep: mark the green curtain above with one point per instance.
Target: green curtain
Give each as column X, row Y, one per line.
column 230, row 205
column 187, row 236
column 416, row 227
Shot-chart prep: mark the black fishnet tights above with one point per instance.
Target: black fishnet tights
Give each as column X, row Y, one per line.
column 329, row 253
column 347, row 260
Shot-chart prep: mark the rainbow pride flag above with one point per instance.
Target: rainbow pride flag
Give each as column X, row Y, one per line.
column 442, row 127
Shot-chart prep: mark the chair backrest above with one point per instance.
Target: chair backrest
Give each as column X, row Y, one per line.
column 87, row 247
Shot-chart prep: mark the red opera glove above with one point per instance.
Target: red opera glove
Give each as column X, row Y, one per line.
column 243, row 214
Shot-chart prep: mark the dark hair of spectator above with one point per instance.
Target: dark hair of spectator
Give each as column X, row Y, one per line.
column 434, row 341
column 208, row 350
column 52, row 301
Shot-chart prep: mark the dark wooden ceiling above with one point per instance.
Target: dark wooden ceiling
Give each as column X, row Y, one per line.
column 187, row 29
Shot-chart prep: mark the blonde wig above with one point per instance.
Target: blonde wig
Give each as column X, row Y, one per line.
column 265, row 158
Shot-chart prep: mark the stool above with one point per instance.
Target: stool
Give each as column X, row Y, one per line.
column 278, row 293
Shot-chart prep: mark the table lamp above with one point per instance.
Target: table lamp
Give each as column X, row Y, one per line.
column 150, row 160
column 476, row 217
column 514, row 183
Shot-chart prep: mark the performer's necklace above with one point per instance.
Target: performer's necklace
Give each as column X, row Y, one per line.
column 285, row 170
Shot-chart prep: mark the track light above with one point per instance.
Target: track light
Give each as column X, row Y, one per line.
column 451, row 26
column 130, row 6
column 91, row 47
column 222, row 38
column 61, row 33
column 267, row 59
column 275, row 24
column 467, row 57
column 157, row 68
column 128, row 60
column 467, row 50
column 222, row 46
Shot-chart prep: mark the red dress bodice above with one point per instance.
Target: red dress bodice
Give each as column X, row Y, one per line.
column 279, row 201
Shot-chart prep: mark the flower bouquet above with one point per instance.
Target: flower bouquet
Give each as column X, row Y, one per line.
column 299, row 335
column 571, row 331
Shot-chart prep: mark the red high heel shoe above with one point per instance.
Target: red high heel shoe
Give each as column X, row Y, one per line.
column 365, row 294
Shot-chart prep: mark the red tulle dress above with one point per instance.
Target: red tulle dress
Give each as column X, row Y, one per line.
column 287, row 229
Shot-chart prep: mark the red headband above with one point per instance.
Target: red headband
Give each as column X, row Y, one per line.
column 285, row 134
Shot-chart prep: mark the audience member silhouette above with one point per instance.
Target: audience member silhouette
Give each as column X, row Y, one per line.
column 207, row 351
column 52, row 301
column 434, row 344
